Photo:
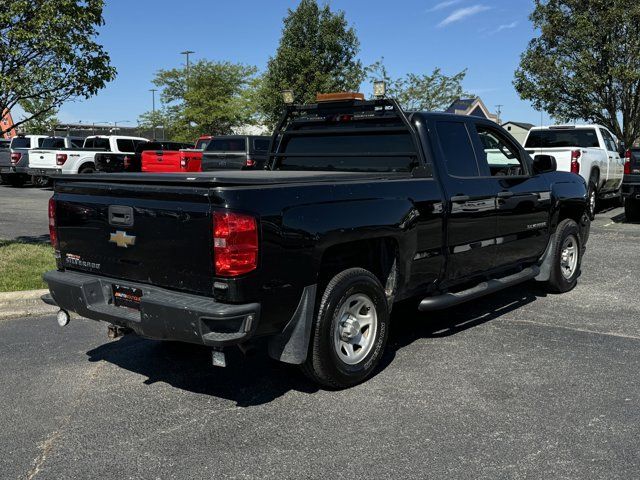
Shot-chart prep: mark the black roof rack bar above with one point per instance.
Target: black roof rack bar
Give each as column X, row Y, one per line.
column 345, row 130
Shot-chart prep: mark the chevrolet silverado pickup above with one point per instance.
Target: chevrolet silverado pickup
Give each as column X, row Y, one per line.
column 362, row 205
column 590, row 151
column 14, row 166
column 127, row 162
column 81, row 160
column 631, row 185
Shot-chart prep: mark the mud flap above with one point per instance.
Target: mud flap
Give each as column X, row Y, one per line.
column 292, row 344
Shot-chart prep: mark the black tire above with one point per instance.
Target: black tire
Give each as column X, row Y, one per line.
column 87, row 169
column 592, row 199
column 40, row 181
column 323, row 364
column 559, row 282
column 4, row 178
column 16, row 180
column 632, row 209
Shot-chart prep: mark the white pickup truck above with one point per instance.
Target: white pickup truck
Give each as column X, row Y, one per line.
column 80, row 160
column 14, row 164
column 591, row 151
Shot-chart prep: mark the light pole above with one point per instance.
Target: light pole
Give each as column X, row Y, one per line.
column 187, row 53
column 93, row 126
column 115, row 124
column 153, row 110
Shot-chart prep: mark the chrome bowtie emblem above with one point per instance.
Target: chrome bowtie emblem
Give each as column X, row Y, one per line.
column 121, row 239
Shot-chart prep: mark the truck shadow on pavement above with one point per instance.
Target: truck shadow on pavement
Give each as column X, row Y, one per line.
column 255, row 379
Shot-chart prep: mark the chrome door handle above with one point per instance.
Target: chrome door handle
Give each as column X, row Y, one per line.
column 460, row 198
column 505, row 194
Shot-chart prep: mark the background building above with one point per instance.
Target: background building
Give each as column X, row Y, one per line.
column 518, row 129
column 471, row 106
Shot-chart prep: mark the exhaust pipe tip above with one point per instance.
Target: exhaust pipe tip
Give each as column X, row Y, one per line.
column 63, row 318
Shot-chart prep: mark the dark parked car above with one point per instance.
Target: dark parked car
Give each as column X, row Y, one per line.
column 631, row 185
column 362, row 206
column 122, row 162
column 235, row 152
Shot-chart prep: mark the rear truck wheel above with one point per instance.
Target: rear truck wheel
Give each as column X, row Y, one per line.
column 40, row 181
column 16, row 180
column 87, row 169
column 592, row 199
column 632, row 209
column 350, row 330
column 567, row 257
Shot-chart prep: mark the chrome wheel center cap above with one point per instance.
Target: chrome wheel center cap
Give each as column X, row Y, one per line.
column 349, row 328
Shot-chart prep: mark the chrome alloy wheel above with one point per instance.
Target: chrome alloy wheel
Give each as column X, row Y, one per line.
column 569, row 256
column 356, row 328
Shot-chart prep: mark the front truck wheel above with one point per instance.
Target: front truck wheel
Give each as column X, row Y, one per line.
column 350, row 330
column 567, row 256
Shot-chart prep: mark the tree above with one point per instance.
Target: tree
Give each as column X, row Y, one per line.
column 585, row 65
column 48, row 54
column 43, row 124
column 317, row 53
column 420, row 91
column 212, row 98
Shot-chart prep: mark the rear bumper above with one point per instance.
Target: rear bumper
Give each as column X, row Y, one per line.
column 631, row 190
column 164, row 314
column 6, row 170
column 45, row 172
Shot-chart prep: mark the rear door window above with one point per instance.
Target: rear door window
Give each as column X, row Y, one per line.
column 125, row 145
column 561, row 138
column 460, row 158
column 261, row 145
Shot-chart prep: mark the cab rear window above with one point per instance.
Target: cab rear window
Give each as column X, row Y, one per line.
column 578, row 137
column 379, row 152
column 21, row 142
column 227, row 145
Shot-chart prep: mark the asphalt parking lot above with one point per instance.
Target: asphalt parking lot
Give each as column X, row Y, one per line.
column 521, row 384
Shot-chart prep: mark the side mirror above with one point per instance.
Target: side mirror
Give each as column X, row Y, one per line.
column 544, row 164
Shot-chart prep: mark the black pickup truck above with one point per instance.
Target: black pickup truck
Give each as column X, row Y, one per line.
column 362, row 206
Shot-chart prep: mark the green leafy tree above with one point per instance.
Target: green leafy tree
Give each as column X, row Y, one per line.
column 420, row 91
column 48, row 54
column 42, row 124
column 317, row 53
column 211, row 98
column 585, row 65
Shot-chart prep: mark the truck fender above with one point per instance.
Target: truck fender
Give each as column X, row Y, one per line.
column 292, row 344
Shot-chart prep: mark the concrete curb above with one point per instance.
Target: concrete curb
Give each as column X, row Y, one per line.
column 24, row 304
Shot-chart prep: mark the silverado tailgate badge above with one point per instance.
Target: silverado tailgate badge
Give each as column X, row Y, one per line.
column 121, row 239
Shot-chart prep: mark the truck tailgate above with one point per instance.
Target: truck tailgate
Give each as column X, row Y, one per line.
column 142, row 233
column 562, row 156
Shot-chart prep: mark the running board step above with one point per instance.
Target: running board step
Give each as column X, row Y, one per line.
column 447, row 300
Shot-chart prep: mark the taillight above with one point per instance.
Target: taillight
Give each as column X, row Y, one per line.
column 15, row 157
column 53, row 233
column 235, row 243
column 61, row 158
column 575, row 164
column 250, row 162
column 627, row 162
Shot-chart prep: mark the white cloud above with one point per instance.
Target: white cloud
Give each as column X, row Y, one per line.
column 443, row 5
column 462, row 13
column 506, row 26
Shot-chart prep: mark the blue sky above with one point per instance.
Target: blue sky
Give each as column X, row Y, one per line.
column 142, row 36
